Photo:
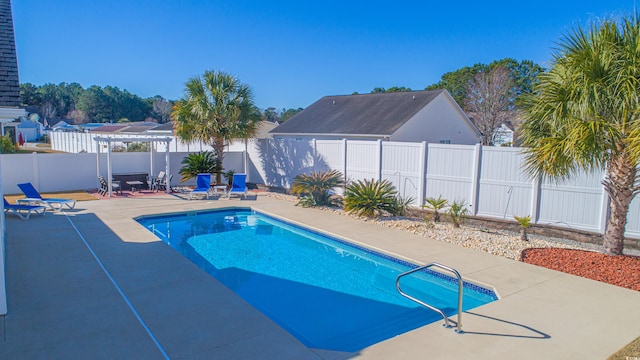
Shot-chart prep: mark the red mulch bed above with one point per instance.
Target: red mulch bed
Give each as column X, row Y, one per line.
column 616, row 270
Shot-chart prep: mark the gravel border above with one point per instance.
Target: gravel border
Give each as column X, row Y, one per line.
column 493, row 241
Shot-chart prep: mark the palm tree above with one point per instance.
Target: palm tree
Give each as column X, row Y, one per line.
column 584, row 115
column 436, row 205
column 216, row 108
column 198, row 163
column 317, row 186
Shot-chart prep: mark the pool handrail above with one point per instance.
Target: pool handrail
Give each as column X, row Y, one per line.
column 444, row 316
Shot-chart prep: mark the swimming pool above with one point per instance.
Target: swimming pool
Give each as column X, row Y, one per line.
column 326, row 292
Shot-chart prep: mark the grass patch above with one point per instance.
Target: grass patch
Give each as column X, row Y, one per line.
column 631, row 351
column 75, row 195
column 38, row 150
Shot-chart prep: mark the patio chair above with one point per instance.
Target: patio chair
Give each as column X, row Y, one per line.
column 23, row 211
column 203, row 186
column 104, row 187
column 238, row 186
column 33, row 197
column 162, row 184
column 154, row 182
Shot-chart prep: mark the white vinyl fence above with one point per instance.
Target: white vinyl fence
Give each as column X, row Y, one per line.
column 61, row 172
column 491, row 180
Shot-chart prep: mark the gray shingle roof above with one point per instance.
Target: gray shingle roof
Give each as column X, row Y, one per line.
column 378, row 114
column 9, row 83
column 168, row 126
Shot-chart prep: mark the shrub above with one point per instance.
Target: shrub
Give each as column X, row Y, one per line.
column 371, row 198
column 436, row 205
column 228, row 175
column 7, row 146
column 314, row 188
column 199, row 163
column 139, row 147
column 525, row 222
column 457, row 212
column 401, row 205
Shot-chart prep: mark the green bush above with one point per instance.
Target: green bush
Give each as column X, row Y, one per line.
column 139, row 147
column 436, row 205
column 7, row 146
column 314, row 188
column 373, row 198
column 199, row 163
column 228, row 175
column 458, row 212
column 401, row 205
column 525, row 222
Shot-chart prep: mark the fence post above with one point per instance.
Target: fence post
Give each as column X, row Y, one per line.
column 344, row 159
column 35, row 168
column 535, row 199
column 604, row 208
column 379, row 162
column 422, row 183
column 475, row 180
column 315, row 154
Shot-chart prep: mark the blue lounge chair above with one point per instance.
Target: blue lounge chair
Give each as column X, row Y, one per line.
column 238, row 186
column 33, row 197
column 203, row 184
column 23, row 211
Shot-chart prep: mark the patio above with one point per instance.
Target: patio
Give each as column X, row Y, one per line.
column 127, row 295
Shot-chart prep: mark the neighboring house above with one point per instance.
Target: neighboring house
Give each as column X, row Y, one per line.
column 165, row 129
column 503, row 135
column 264, row 127
column 431, row 116
column 30, row 130
column 61, row 125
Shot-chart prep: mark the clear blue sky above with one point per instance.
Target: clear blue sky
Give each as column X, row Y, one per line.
column 290, row 52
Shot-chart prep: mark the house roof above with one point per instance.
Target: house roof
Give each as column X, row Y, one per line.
column 109, row 128
column 378, row 114
column 9, row 83
column 168, row 126
column 263, row 129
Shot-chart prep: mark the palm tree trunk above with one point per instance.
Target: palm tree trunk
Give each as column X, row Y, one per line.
column 620, row 184
column 218, row 148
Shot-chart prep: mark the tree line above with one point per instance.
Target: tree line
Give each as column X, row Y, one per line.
column 488, row 93
column 109, row 104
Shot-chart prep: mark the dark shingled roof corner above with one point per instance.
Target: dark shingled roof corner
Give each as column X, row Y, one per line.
column 9, row 82
column 379, row 114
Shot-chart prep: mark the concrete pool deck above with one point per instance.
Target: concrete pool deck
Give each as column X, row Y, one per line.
column 139, row 299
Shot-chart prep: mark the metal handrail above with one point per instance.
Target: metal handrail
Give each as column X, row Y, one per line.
column 444, row 316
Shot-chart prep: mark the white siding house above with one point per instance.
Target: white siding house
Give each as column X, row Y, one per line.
column 431, row 116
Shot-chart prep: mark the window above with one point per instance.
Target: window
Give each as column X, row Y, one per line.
column 445, row 141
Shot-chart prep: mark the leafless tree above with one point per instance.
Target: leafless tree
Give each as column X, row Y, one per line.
column 489, row 101
column 162, row 109
column 78, row 116
column 49, row 110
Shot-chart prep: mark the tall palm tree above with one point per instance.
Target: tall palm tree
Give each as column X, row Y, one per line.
column 584, row 115
column 215, row 109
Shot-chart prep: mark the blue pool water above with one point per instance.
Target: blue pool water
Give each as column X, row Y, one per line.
column 327, row 293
